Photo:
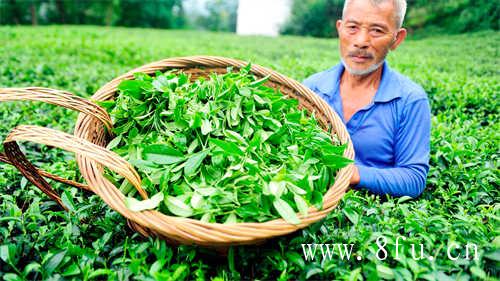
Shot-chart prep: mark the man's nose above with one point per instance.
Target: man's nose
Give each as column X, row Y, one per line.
column 362, row 39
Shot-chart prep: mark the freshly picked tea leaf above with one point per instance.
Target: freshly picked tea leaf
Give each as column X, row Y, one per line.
column 224, row 148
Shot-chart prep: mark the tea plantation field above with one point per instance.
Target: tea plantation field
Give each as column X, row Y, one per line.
column 460, row 204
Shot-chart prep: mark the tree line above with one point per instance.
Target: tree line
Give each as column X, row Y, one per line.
column 217, row 15
column 317, row 17
column 308, row 17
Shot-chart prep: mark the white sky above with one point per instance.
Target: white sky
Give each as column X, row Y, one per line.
column 255, row 17
column 262, row 17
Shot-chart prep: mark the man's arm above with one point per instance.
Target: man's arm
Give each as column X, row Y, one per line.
column 412, row 149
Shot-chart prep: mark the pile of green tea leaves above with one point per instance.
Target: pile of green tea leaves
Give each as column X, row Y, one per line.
column 221, row 149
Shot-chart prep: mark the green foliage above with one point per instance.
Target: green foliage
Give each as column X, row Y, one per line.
column 309, row 17
column 151, row 13
column 453, row 16
column 215, row 15
column 459, row 205
column 314, row 18
column 220, row 15
column 222, row 149
column 317, row 17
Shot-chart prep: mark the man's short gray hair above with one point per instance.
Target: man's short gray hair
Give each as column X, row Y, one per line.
column 399, row 4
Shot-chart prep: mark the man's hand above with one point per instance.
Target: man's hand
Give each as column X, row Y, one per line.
column 355, row 176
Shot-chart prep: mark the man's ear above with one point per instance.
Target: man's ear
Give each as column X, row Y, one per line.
column 400, row 37
column 338, row 25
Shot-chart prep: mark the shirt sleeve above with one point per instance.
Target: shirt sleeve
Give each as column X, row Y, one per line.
column 412, row 149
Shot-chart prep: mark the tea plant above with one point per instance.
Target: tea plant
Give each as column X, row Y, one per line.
column 459, row 205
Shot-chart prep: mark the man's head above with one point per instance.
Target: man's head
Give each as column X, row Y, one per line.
column 367, row 31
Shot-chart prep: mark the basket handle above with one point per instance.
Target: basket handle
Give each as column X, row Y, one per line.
column 60, row 98
column 65, row 99
column 67, row 142
column 57, row 97
column 5, row 159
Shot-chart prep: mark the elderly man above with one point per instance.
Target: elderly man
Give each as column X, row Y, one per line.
column 386, row 114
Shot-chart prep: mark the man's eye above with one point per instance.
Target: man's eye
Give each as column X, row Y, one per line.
column 376, row 32
column 351, row 27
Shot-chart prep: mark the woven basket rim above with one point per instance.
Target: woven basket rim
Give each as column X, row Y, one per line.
column 152, row 220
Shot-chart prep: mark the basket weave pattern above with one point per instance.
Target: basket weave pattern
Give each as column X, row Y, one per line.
column 92, row 134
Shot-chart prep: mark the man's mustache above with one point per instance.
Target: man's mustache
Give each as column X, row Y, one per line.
column 359, row 53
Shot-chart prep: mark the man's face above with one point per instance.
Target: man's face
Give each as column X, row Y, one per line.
column 367, row 33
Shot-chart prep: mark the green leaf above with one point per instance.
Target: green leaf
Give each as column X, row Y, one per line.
column 180, row 271
column 333, row 149
column 192, row 147
column 259, row 99
column 231, row 219
column 296, row 258
column 494, row 256
column 148, row 204
column 178, row 207
column 12, row 277
column 53, row 262
column 100, row 272
column 385, row 272
column 7, row 253
column 276, row 188
column 131, row 88
column 351, row 215
column 161, row 83
column 230, row 258
column 234, row 135
column 228, row 147
column 194, row 162
column 206, row 217
column 162, row 154
column 295, row 189
column 355, row 275
column 285, row 211
column 196, row 200
column 31, row 267
column 313, row 271
column 71, row 270
column 67, row 200
column 324, row 179
column 301, row 204
column 24, row 182
column 206, row 127
column 196, row 121
column 317, row 199
column 478, row 272
column 335, row 161
column 114, row 142
column 207, row 191
column 404, row 199
column 259, row 82
column 246, row 92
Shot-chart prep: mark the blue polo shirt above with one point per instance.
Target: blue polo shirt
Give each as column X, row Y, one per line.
column 391, row 135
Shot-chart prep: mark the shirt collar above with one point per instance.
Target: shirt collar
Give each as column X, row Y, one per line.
column 387, row 90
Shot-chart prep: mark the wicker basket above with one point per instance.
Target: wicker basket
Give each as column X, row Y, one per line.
column 91, row 136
